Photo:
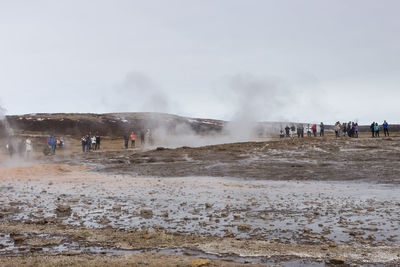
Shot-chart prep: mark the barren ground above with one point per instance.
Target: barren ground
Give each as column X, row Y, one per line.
column 311, row 202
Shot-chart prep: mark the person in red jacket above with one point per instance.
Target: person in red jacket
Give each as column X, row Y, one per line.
column 314, row 130
column 133, row 139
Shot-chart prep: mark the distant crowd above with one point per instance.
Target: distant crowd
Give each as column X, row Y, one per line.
column 24, row 147
column 349, row 129
column 90, row 142
column 21, row 147
column 145, row 137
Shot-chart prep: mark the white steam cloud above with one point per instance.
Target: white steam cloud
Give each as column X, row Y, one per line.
column 4, row 126
column 250, row 101
column 254, row 99
column 138, row 93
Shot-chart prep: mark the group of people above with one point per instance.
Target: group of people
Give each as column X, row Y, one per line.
column 145, row 137
column 350, row 129
column 23, row 147
column 52, row 143
column 375, row 128
column 310, row 130
column 90, row 143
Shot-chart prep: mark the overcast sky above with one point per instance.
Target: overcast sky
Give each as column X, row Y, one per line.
column 224, row 59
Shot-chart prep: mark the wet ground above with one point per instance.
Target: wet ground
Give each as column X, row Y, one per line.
column 369, row 159
column 285, row 211
column 104, row 206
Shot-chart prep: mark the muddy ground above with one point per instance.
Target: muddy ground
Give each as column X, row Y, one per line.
column 295, row 159
column 309, row 202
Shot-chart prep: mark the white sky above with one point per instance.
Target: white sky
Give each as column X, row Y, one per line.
column 225, row 59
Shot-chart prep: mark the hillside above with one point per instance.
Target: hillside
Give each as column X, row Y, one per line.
column 112, row 124
column 116, row 124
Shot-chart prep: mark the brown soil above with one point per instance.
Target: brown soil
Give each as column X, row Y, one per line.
column 289, row 159
column 143, row 259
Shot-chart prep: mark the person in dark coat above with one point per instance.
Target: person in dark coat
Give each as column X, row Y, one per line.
column 88, row 142
column 126, row 140
column 372, row 129
column 142, row 135
column 97, row 141
column 287, row 130
column 321, row 129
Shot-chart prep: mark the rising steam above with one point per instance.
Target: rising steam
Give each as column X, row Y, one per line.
column 5, row 129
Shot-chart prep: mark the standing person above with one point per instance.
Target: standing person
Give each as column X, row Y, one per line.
column 58, row 143
column 376, row 129
column 10, row 147
column 126, row 140
column 88, row 142
column 28, row 146
column 385, row 128
column 292, row 131
column 321, row 129
column 349, row 129
column 287, row 130
column 133, row 139
column 300, row 131
column 344, row 129
column 372, row 128
column 93, row 142
column 21, row 148
column 356, row 130
column 52, row 143
column 314, row 129
column 97, row 141
column 83, row 141
column 149, row 137
column 308, row 130
column 142, row 134
column 337, row 128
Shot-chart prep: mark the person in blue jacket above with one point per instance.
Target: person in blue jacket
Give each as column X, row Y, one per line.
column 385, row 128
column 376, row 129
column 52, row 143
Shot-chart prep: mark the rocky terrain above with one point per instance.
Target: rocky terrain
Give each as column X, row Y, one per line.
column 322, row 159
column 276, row 202
column 69, row 213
